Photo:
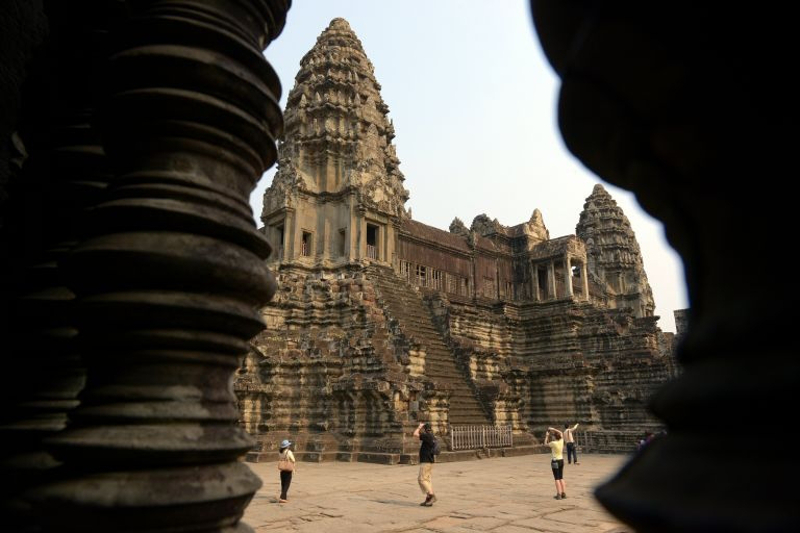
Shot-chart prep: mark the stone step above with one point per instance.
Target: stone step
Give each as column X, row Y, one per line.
column 408, row 311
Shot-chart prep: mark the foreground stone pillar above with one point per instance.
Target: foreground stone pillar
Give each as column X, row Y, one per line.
column 647, row 102
column 170, row 274
column 62, row 174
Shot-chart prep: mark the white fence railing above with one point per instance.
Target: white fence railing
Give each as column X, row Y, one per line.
column 476, row 437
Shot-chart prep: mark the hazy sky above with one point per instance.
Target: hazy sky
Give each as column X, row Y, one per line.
column 473, row 102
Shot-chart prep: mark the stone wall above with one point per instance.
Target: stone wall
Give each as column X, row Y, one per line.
column 331, row 371
column 561, row 362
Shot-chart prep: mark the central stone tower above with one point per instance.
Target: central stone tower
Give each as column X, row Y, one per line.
column 338, row 195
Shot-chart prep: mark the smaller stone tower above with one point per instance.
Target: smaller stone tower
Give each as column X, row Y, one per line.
column 615, row 261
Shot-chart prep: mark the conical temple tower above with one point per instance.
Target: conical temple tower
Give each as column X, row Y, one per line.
column 338, row 194
column 615, row 261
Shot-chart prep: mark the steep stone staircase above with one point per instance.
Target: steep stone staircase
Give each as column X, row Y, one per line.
column 405, row 305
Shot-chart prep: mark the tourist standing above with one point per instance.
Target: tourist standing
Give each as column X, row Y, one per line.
column 426, row 460
column 572, row 446
column 286, row 464
column 556, row 460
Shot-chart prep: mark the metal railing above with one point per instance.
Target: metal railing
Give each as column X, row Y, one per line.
column 607, row 441
column 477, row 437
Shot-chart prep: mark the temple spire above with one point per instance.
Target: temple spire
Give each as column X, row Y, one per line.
column 613, row 253
column 338, row 134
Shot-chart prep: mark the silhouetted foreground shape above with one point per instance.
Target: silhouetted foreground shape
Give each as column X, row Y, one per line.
column 679, row 102
column 157, row 290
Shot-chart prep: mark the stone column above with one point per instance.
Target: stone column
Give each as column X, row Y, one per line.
column 361, row 234
column 60, row 171
column 497, row 288
column 391, row 243
column 290, row 236
column 325, row 234
column 568, row 276
column 352, row 231
column 473, row 282
column 380, row 242
column 535, row 277
column 170, row 274
column 585, row 276
column 551, row 275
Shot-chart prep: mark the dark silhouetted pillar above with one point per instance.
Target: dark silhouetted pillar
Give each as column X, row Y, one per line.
column 169, row 273
column 695, row 109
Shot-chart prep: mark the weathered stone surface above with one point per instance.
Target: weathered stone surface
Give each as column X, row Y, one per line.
column 382, row 321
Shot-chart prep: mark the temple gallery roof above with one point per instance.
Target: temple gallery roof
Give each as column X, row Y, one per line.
column 558, row 247
column 431, row 234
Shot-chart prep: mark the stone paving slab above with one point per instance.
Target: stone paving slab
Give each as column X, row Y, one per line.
column 501, row 495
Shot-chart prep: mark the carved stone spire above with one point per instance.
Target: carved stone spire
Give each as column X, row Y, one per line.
column 457, row 226
column 535, row 228
column 483, row 225
column 613, row 253
column 338, row 136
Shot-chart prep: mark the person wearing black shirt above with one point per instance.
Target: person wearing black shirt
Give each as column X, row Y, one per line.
column 426, row 460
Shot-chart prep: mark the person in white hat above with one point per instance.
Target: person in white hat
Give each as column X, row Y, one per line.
column 286, row 464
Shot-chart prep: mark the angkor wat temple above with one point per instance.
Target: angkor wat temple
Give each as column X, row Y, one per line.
column 131, row 135
column 381, row 321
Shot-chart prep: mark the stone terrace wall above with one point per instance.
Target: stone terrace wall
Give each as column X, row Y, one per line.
column 327, row 372
column 548, row 364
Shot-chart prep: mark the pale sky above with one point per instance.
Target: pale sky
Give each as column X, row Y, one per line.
column 473, row 101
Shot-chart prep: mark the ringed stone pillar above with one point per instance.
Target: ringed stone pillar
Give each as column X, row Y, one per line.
column 170, row 274
column 551, row 279
column 62, row 173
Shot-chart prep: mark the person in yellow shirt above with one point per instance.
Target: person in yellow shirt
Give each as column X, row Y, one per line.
column 557, row 460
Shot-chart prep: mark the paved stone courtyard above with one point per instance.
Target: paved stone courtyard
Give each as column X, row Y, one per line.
column 503, row 495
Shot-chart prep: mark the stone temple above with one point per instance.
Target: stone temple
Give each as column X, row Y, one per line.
column 134, row 276
column 381, row 321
